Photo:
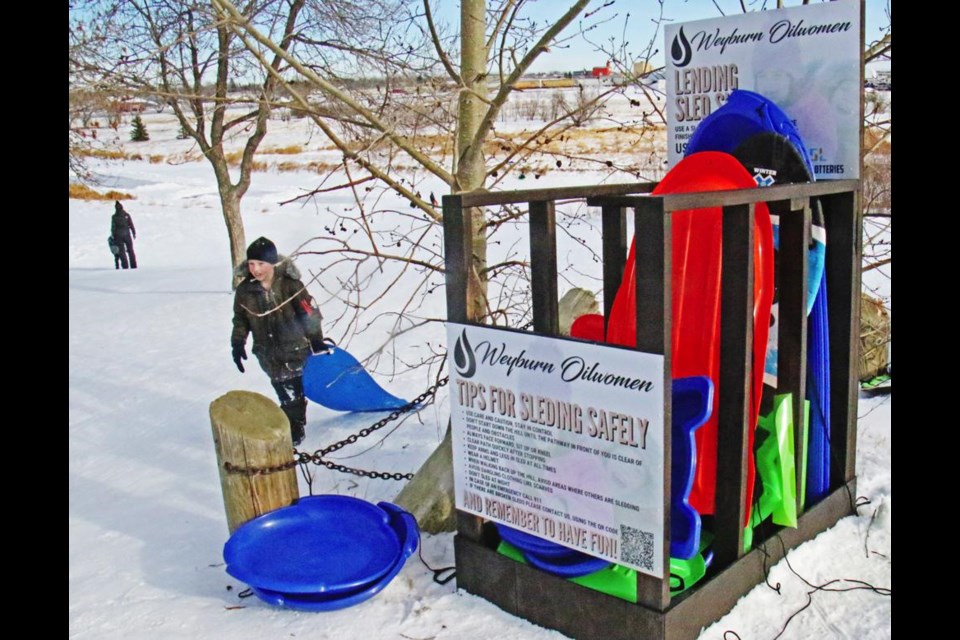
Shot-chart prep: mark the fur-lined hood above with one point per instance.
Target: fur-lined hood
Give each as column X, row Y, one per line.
column 284, row 268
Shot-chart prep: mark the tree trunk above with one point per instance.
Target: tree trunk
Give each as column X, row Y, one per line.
column 429, row 495
column 471, row 166
column 238, row 238
column 230, row 203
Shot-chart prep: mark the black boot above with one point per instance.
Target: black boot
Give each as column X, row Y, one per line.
column 297, row 415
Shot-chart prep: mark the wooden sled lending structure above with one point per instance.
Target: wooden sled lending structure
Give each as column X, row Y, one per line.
column 580, row 612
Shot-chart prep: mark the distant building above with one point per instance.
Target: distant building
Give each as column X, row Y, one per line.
column 642, row 68
column 129, row 105
column 600, row 72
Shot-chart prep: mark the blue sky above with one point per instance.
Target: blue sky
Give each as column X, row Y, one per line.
column 579, row 54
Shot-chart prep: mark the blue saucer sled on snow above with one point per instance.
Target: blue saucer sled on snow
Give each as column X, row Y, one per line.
column 336, row 380
column 322, row 553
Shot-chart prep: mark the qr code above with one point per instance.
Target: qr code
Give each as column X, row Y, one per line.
column 636, row 547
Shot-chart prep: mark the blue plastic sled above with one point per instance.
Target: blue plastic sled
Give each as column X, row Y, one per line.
column 549, row 556
column 574, row 565
column 322, row 553
column 407, row 531
column 692, row 405
column 744, row 114
column 528, row 543
column 755, row 131
column 336, row 380
column 818, row 392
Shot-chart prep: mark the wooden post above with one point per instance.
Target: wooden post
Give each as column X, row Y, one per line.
column 735, row 384
column 543, row 267
column 251, row 432
column 653, row 270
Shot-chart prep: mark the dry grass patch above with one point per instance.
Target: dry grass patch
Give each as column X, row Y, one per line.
column 157, row 158
column 323, row 167
column 290, row 150
column 315, row 166
column 83, row 192
column 109, row 154
column 234, row 157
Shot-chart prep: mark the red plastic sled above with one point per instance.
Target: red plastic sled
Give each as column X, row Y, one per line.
column 697, row 235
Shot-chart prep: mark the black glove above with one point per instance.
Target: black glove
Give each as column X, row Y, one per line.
column 239, row 353
column 319, row 345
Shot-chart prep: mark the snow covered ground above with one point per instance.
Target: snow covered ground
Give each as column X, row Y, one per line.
column 149, row 350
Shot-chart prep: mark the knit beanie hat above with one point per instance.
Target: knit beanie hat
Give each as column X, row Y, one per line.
column 262, row 249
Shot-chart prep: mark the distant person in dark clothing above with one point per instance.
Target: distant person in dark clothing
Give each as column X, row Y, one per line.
column 123, row 233
column 274, row 305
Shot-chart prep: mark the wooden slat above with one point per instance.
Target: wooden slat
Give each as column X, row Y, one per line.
column 703, row 199
column 491, row 198
column 652, row 263
column 792, row 343
column 844, row 257
column 614, row 220
column 652, row 267
column 457, row 250
column 543, row 268
column 736, row 348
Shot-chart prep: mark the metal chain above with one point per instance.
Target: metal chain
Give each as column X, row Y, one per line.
column 317, row 457
column 258, row 471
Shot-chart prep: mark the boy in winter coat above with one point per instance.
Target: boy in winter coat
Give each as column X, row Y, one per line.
column 274, row 305
column 123, row 233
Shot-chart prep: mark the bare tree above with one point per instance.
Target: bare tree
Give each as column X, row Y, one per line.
column 185, row 54
column 426, row 115
column 432, row 113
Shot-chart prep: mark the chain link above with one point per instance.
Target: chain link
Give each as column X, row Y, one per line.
column 259, row 471
column 303, row 458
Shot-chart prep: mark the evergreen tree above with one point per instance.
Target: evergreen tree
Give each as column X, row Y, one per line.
column 139, row 133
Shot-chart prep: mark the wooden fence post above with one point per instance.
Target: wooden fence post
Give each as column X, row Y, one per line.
column 251, row 432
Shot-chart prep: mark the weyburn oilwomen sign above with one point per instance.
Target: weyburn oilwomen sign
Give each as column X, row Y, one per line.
column 561, row 439
column 805, row 59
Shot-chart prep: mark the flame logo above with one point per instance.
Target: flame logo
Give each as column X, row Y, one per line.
column 463, row 357
column 680, row 50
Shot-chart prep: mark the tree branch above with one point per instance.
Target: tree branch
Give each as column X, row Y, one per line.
column 240, row 23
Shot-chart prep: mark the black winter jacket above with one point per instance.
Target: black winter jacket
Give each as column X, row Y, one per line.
column 283, row 320
column 121, row 226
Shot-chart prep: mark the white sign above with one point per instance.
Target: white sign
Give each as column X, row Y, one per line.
column 560, row 439
column 805, row 59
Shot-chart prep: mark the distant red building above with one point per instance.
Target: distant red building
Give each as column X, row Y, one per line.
column 599, row 72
